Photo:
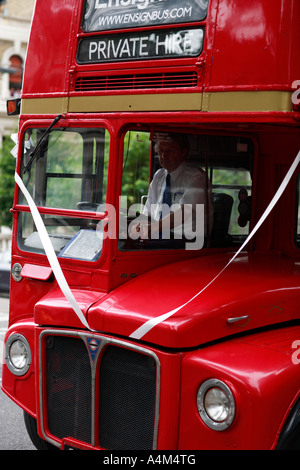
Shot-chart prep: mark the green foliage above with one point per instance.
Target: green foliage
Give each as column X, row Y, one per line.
column 7, row 185
column 136, row 166
column 64, row 156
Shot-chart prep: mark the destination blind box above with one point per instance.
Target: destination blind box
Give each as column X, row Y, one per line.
column 159, row 44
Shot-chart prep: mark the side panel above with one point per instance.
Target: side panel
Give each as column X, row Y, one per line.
column 48, row 55
column 255, row 45
column 262, row 372
column 249, row 45
column 21, row 389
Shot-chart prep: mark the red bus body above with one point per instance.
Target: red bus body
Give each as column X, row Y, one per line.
column 243, row 330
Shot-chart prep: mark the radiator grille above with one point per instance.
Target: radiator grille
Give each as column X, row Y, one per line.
column 122, row 396
column 127, row 395
column 68, row 388
column 137, row 82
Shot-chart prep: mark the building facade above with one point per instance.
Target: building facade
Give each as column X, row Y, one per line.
column 15, row 18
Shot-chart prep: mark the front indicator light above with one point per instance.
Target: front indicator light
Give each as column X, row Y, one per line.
column 17, row 354
column 216, row 404
column 16, row 272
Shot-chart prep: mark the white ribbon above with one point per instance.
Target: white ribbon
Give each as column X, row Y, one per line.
column 147, row 326
column 50, row 253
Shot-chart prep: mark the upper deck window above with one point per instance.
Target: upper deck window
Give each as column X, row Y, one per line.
column 107, row 15
column 66, row 177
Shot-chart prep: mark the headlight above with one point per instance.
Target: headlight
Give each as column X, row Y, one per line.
column 17, row 354
column 216, row 404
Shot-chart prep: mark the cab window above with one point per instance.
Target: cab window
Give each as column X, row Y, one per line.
column 213, row 171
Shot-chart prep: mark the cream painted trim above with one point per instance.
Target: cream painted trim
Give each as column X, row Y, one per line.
column 44, row 105
column 149, row 102
column 236, row 101
column 113, row 103
column 249, row 101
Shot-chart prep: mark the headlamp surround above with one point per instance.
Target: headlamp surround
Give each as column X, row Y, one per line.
column 216, row 404
column 17, row 354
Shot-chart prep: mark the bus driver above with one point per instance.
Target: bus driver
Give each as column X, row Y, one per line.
column 177, row 197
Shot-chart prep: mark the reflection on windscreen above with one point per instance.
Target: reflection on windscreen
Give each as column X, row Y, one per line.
column 69, row 172
column 185, row 191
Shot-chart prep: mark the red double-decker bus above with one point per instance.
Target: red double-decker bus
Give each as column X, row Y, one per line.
column 144, row 316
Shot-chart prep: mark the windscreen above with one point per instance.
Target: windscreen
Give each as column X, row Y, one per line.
column 66, row 175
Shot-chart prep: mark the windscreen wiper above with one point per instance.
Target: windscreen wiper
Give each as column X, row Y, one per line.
column 40, row 144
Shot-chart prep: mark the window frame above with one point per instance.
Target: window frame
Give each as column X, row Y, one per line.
column 251, row 154
column 74, row 214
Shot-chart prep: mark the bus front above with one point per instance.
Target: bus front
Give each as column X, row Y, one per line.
column 140, row 297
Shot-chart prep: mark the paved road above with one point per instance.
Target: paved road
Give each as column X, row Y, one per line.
column 13, row 435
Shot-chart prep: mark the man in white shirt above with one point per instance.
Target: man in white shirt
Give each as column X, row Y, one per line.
column 177, row 198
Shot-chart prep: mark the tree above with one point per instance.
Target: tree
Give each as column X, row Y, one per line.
column 135, row 180
column 7, row 182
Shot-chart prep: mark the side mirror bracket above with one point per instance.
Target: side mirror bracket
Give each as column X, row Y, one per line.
column 13, row 107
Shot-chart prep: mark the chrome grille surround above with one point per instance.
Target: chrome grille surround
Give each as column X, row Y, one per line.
column 104, row 343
